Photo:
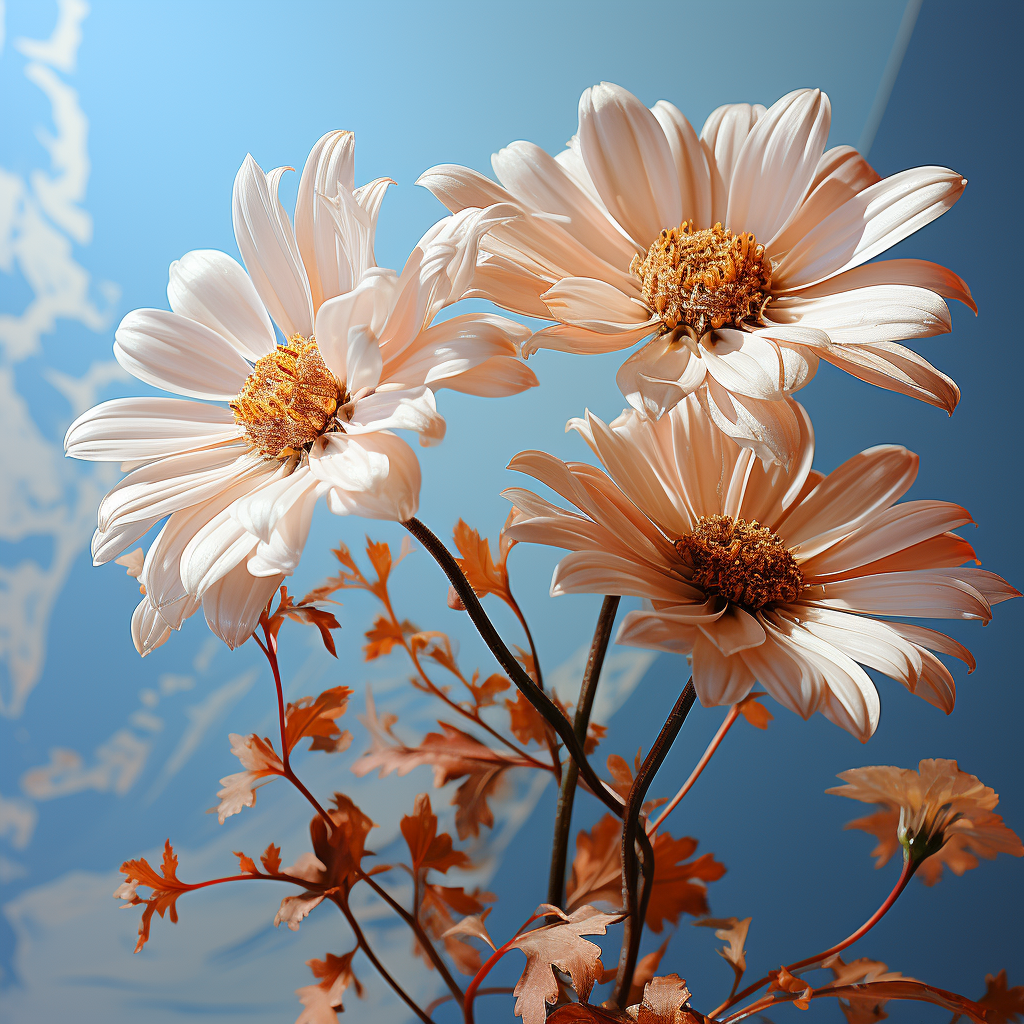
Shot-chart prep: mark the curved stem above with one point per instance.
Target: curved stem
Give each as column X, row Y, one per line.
column 905, row 875
column 518, row 612
column 726, row 725
column 473, row 988
column 421, row 936
column 581, row 721
column 381, row 969
column 632, row 835
column 270, row 650
column 534, row 694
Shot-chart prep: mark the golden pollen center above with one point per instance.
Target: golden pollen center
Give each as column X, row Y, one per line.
column 743, row 562
column 704, row 279
column 288, row 400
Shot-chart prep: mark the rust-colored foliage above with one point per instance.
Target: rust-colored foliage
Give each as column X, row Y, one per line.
column 1003, row 1005
column 732, row 931
column 680, row 886
column 321, row 1002
column 306, row 610
column 165, row 885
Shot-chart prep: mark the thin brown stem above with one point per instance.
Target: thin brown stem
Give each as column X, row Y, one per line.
column 533, row 693
column 270, row 650
column 421, row 936
column 726, row 725
column 581, row 722
column 381, row 969
column 634, row 901
column 909, row 866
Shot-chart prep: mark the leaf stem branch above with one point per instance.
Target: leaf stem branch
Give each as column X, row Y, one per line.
column 727, row 724
column 909, row 866
column 381, row 969
column 533, row 693
column 581, row 722
column 632, row 836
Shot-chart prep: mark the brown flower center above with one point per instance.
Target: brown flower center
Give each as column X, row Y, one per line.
column 744, row 562
column 704, row 279
column 288, row 400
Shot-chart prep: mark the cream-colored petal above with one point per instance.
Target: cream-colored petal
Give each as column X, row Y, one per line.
column 871, row 222
column 630, row 162
column 600, row 572
column 658, row 376
column 722, row 138
column 233, row 604
column 861, row 488
column 180, row 355
column 784, row 671
column 596, row 306
column 774, row 169
column 570, row 338
column 211, row 287
column 718, row 678
column 405, row 409
column 691, row 163
column 733, row 631
column 133, row 429
column 923, row 594
column 757, row 366
column 267, row 244
column 656, row 631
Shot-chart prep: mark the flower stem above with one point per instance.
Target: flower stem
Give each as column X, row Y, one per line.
column 632, row 835
column 533, row 693
column 474, row 986
column 905, row 875
column 372, row 957
column 567, row 791
column 726, row 725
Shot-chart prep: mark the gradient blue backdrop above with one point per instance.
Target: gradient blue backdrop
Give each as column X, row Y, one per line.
column 117, row 155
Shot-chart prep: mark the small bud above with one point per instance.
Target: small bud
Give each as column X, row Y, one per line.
column 454, row 601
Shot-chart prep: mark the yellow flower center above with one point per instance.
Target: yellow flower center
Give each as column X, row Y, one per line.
column 743, row 562
column 704, row 279
column 288, row 400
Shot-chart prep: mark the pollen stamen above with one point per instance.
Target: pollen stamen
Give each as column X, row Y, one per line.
column 704, row 279
column 288, row 400
column 744, row 562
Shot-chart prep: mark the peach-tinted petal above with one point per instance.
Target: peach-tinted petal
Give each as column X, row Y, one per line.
column 718, row 678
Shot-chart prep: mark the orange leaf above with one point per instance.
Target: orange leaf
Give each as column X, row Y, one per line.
column 435, row 645
column 754, row 711
column 271, row 859
column 315, row 718
column 379, row 554
column 166, row 888
column 322, row 1000
column 733, row 931
column 783, row 981
column 484, row 576
column 485, row 692
column 435, row 914
column 384, row 635
column 246, row 864
column 1004, row 1005
column 664, row 1002
column 429, row 851
column 526, row 722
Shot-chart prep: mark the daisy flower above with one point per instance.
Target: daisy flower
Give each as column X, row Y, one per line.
column 763, row 574
column 265, row 428
column 940, row 815
column 741, row 253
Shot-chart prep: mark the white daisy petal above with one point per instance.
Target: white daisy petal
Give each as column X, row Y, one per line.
column 722, row 138
column 718, row 678
column 691, row 163
column 234, row 603
column 132, row 429
column 409, row 409
column 774, row 169
column 180, row 355
column 269, row 250
column 211, row 287
column 373, row 475
column 655, row 378
column 149, row 630
column 630, row 162
column 596, row 306
column 868, row 224
column 755, row 366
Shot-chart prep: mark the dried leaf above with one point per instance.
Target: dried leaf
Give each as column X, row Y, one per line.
column 321, row 1001
column 166, row 888
column 476, row 563
column 558, row 945
column 733, row 931
column 754, row 711
column 436, row 646
column 679, row 885
column 526, row 722
column 473, row 924
column 246, row 864
column 384, row 635
column 484, row 693
column 316, row 718
column 307, row 611
column 271, row 859
column 429, row 851
column 1003, row 1005
column 646, row 968
column 663, row 1003
column 595, row 733
column 783, row 981
column 260, row 761
column 435, row 914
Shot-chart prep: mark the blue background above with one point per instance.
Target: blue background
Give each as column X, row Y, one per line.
column 103, row 755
